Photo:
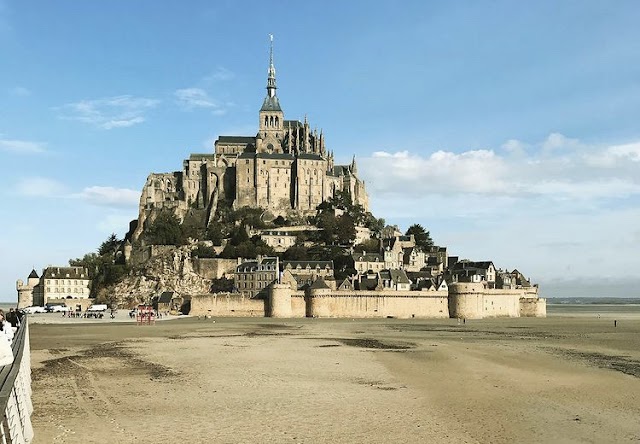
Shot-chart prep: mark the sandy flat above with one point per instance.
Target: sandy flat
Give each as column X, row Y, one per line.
column 554, row 380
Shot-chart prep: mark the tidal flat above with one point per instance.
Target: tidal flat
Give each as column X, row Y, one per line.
column 572, row 377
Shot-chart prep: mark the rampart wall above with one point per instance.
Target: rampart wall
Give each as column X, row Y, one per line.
column 533, row 307
column 227, row 304
column 475, row 301
column 377, row 304
column 466, row 300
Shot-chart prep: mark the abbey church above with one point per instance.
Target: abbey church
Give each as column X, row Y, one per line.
column 285, row 168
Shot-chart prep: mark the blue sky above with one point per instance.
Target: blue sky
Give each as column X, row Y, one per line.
column 510, row 130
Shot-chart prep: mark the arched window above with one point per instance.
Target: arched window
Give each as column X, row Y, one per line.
column 277, row 122
column 266, row 121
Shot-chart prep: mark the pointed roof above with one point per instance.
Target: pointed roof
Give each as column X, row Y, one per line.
column 319, row 284
column 271, row 102
column 33, row 274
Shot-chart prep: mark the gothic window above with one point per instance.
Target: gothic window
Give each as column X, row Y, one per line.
column 266, row 121
column 277, row 122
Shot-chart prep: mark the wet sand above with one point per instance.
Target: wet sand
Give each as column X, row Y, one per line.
column 564, row 379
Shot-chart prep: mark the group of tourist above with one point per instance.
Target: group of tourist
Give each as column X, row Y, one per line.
column 9, row 324
column 84, row 315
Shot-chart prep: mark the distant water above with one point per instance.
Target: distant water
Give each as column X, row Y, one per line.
column 603, row 310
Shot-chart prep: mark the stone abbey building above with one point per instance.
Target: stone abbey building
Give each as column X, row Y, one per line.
column 285, row 168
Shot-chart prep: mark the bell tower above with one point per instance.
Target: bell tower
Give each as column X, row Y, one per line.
column 271, row 125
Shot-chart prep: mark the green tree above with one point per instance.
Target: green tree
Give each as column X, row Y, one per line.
column 203, row 251
column 345, row 232
column 109, row 246
column 422, row 236
column 369, row 245
column 295, row 253
column 165, row 230
column 214, row 233
column 279, row 221
column 221, row 285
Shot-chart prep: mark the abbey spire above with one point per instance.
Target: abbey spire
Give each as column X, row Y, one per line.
column 271, row 134
column 271, row 102
column 271, row 79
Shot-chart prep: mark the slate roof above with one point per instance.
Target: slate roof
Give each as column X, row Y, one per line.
column 271, row 104
column 235, row 139
column 293, row 124
column 309, row 156
column 33, row 274
column 399, row 277
column 367, row 257
column 65, row 273
column 165, row 297
column 284, row 156
column 339, row 170
column 303, row 264
column 196, row 156
column 483, row 265
column 320, row 284
column 368, row 284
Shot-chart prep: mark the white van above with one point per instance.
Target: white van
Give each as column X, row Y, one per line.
column 97, row 307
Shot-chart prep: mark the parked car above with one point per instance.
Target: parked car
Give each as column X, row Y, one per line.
column 34, row 309
column 56, row 308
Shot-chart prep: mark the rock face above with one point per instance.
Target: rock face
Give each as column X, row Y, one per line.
column 170, row 270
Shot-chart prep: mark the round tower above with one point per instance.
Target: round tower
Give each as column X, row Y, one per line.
column 319, row 300
column 466, row 300
column 279, row 301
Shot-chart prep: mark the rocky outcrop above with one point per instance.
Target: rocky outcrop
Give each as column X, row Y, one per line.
column 170, row 270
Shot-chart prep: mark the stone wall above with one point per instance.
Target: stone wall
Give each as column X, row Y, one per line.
column 226, row 304
column 533, row 307
column 475, row 301
column 214, row 268
column 377, row 304
column 298, row 304
column 468, row 300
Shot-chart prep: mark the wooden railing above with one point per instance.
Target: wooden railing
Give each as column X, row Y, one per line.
column 15, row 391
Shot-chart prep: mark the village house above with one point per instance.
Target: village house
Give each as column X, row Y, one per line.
column 254, row 276
column 469, row 271
column 364, row 261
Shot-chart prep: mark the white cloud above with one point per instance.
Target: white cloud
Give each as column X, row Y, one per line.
column 191, row 98
column 110, row 196
column 557, row 141
column 94, row 195
column 111, row 112
column 554, row 168
column 40, row 187
column 22, row 146
column 558, row 209
column 614, row 156
column 20, row 91
column 220, row 74
column 442, row 172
